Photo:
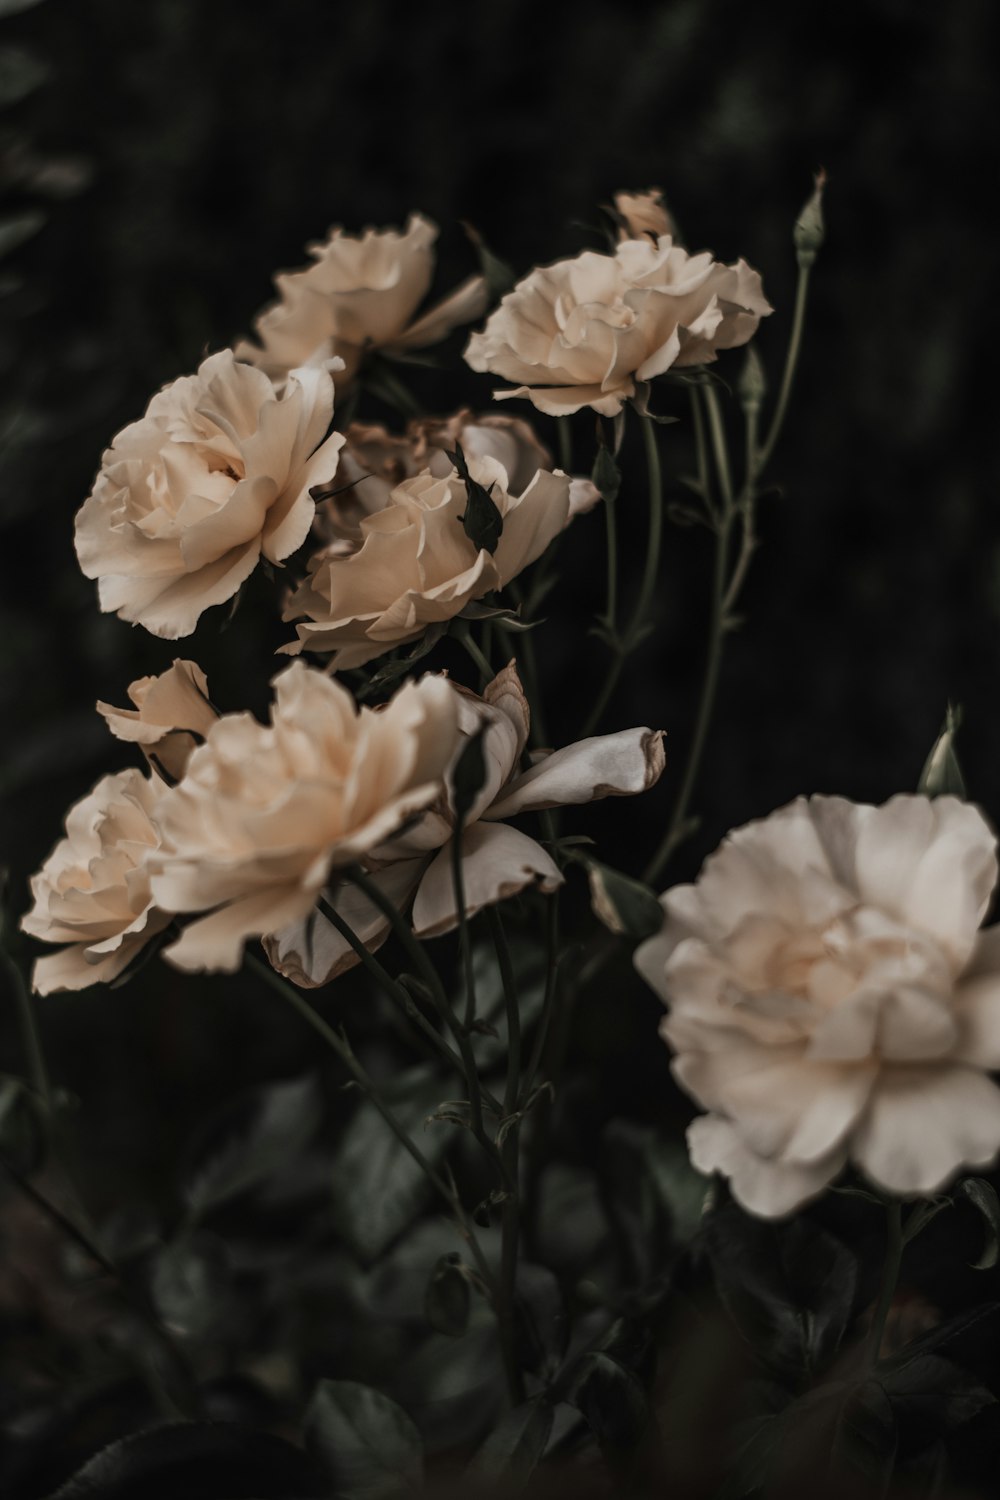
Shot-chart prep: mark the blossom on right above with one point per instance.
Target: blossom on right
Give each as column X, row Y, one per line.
column 831, row 998
column 583, row 331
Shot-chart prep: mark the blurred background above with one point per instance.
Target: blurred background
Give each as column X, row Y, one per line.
column 159, row 161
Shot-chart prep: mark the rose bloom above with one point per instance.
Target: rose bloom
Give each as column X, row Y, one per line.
column 498, row 860
column 643, row 214
column 215, row 476
column 831, row 999
column 416, row 566
column 172, row 714
column 581, row 332
column 375, row 460
column 265, row 813
column 93, row 891
column 362, row 293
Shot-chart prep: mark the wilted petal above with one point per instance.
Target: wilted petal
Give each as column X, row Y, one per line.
column 497, row 862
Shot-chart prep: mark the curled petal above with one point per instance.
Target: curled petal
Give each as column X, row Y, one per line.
column 608, row 765
column 312, row 952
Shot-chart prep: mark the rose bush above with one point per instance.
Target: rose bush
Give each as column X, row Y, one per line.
column 831, row 998
column 416, row 566
column 362, row 293
column 582, row 332
column 215, row 476
column 93, row 892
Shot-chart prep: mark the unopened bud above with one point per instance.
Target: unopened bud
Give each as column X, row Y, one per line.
column 810, row 230
column 751, row 388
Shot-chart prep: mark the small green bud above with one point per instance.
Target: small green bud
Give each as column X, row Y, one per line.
column 751, row 387
column 942, row 774
column 810, row 230
column 625, row 906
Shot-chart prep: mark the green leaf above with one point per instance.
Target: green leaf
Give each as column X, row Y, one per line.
column 513, row 1449
column 541, row 1326
column 17, row 228
column 249, row 1140
column 482, row 521
column 391, row 671
column 21, row 72
column 789, row 1287
column 625, row 906
column 655, row 1198
column 377, row 1186
column 606, row 475
column 499, row 276
column 369, row 1447
column 446, row 1301
column 510, row 619
column 193, row 1459
column 191, row 1285
column 942, row 775
column 983, row 1197
column 612, row 1400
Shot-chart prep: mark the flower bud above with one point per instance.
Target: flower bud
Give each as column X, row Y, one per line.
column 751, row 388
column 810, row 231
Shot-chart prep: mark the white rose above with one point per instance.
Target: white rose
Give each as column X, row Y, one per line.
column 362, row 293
column 831, row 998
column 581, row 332
column 498, row 861
column 93, row 891
column 266, row 812
column 416, row 566
column 172, row 714
column 215, row 476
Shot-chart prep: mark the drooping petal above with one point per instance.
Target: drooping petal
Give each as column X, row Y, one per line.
column 608, row 765
column 924, row 1124
column 497, row 862
column 766, row 1187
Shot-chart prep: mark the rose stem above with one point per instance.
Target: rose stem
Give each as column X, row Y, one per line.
column 464, row 635
column 636, row 628
column 564, row 432
column 342, row 1047
column 791, row 365
column 416, row 952
column 392, row 987
column 890, row 1275
column 510, row 1216
column 130, row 1295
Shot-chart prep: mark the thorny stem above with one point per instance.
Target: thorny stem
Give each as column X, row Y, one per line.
column 510, row 1217
column 626, row 643
column 890, row 1275
column 396, row 991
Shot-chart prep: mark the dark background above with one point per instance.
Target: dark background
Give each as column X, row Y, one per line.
column 181, row 150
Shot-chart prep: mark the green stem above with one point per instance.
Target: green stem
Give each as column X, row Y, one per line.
column 791, row 364
column 564, row 433
column 464, row 635
column 548, row 1002
column 38, row 1073
column 717, row 438
column 890, row 1276
column 636, row 627
column 510, row 1222
column 611, row 542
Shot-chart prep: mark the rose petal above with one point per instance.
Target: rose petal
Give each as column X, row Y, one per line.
column 497, row 862
column 608, row 765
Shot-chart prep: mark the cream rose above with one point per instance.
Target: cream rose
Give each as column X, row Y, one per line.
column 172, row 714
column 643, row 214
column 498, row 861
column 93, row 891
column 266, row 812
column 416, row 566
column 215, row 476
column 375, row 460
column 361, row 293
column 581, row 332
column 831, row 999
